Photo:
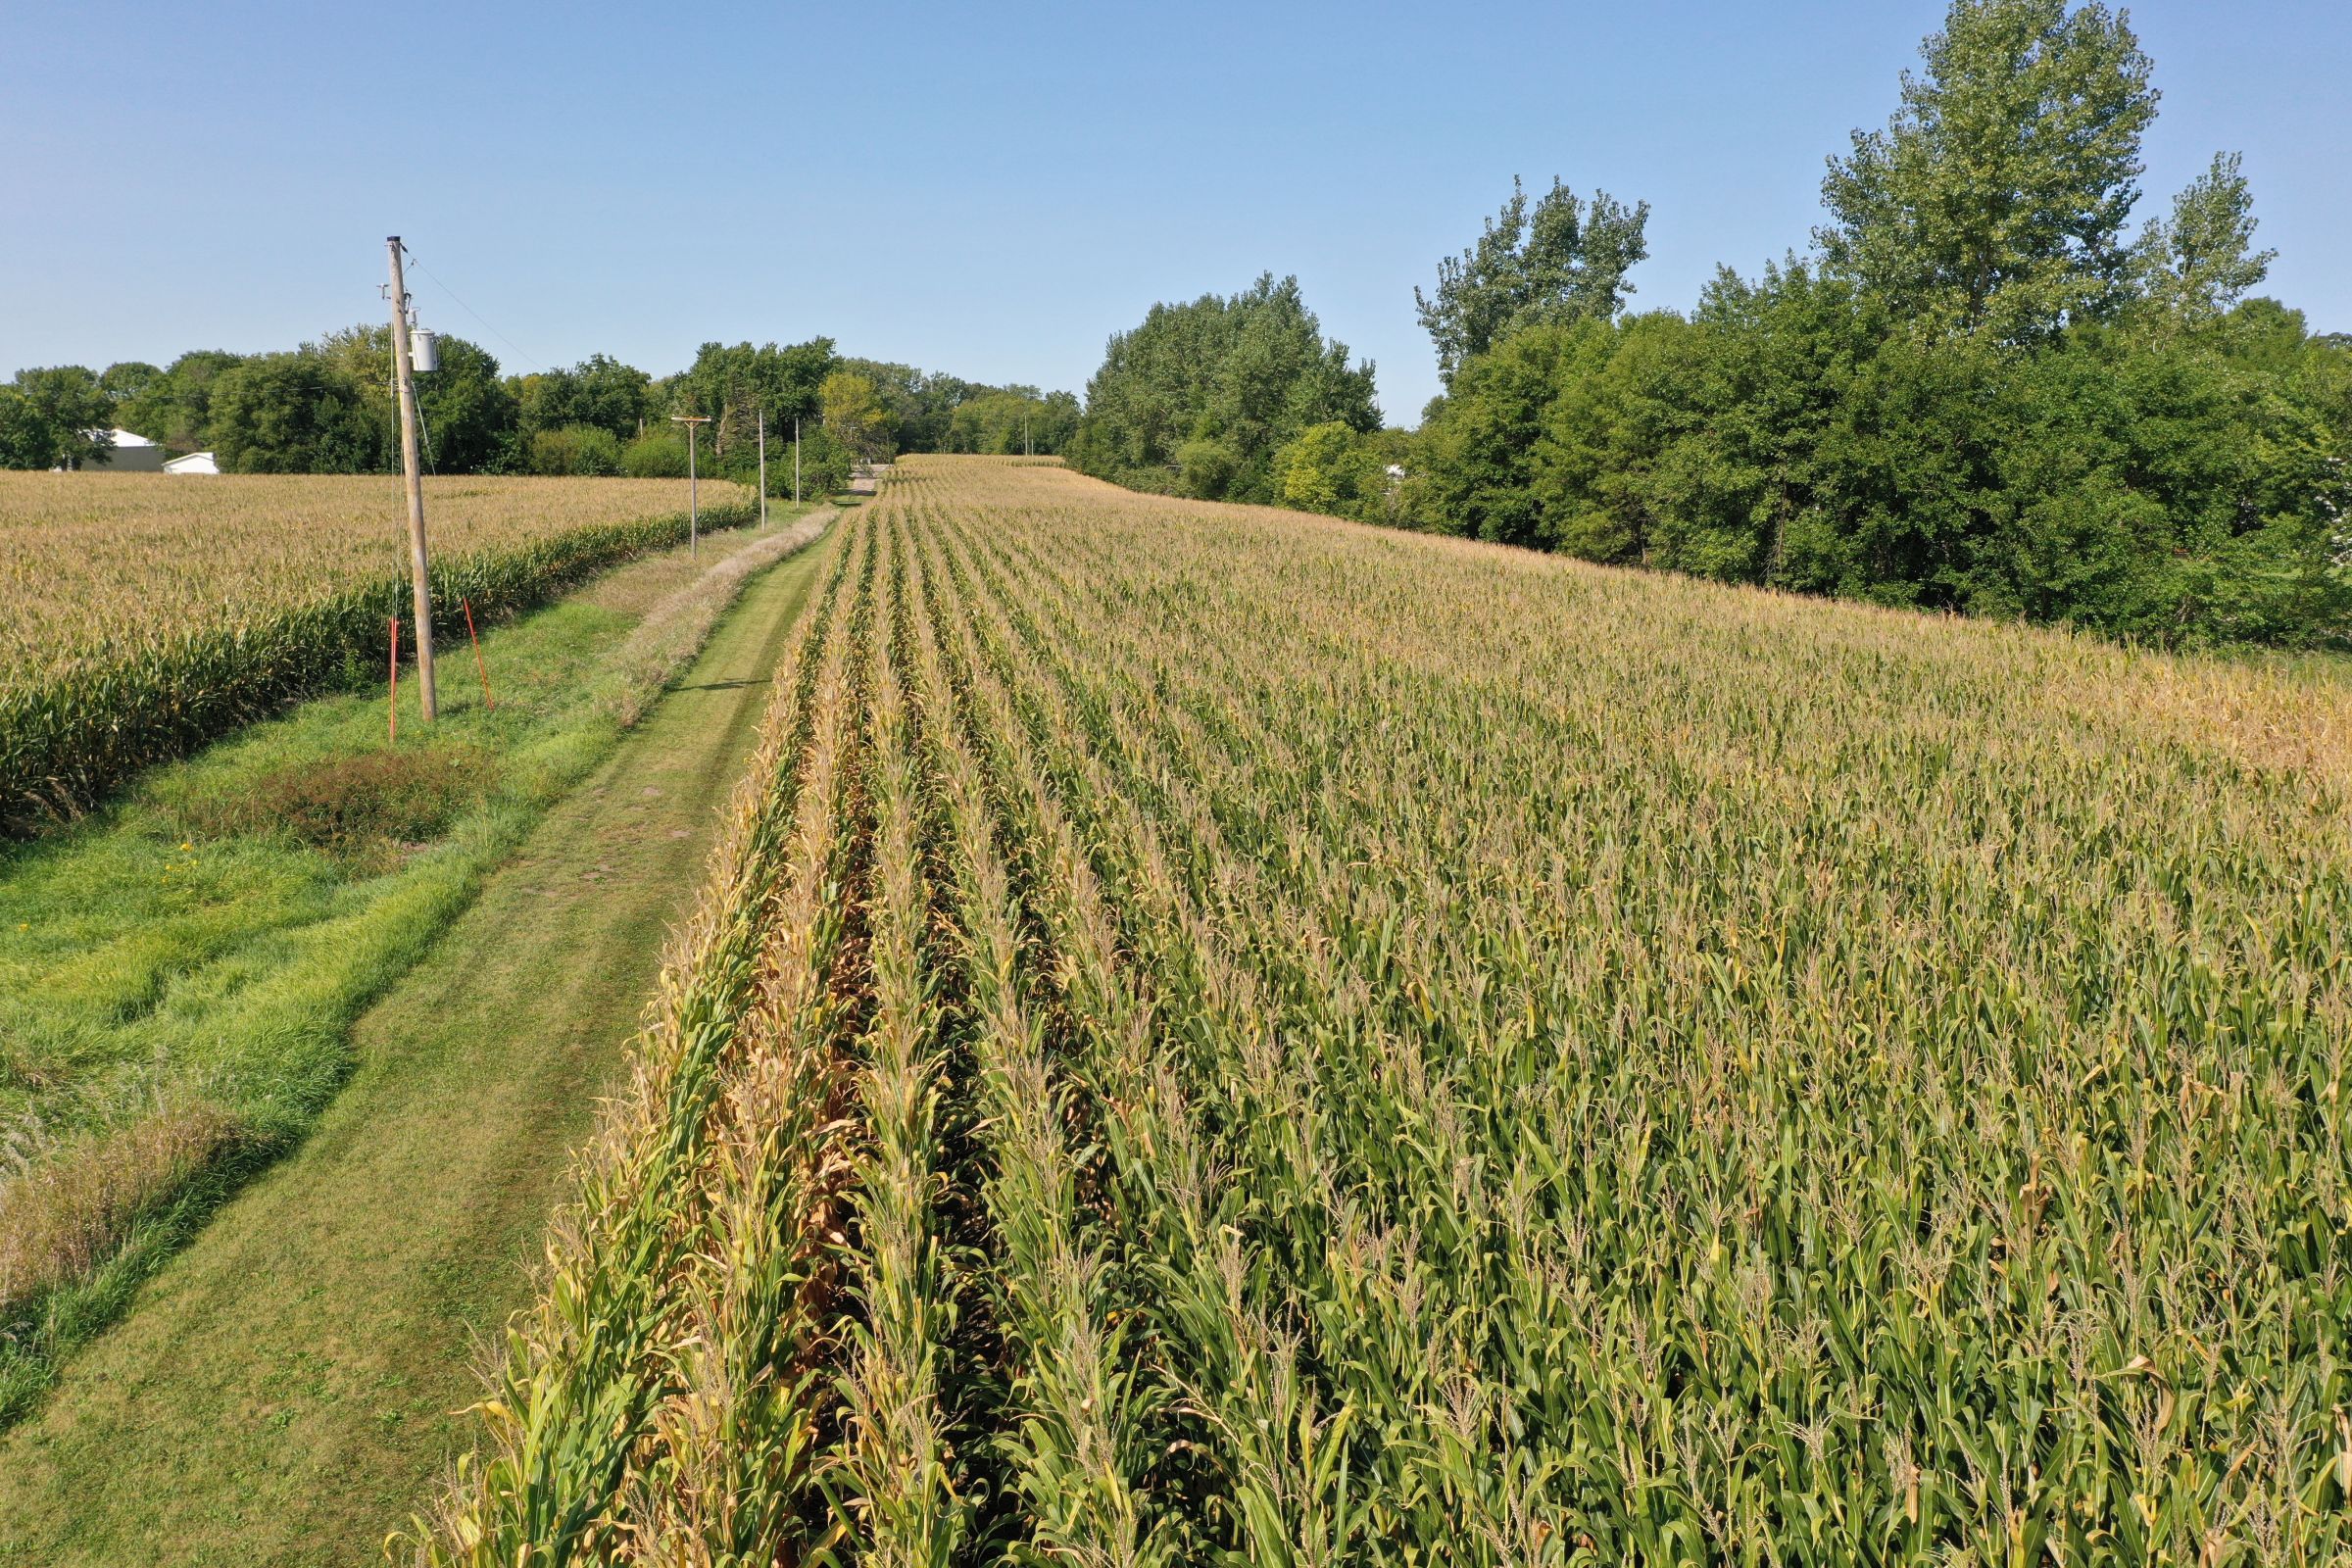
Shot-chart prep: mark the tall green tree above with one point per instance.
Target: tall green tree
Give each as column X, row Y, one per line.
column 735, row 385
column 1995, row 199
column 2199, row 262
column 1981, row 399
column 126, row 381
column 599, row 391
column 1562, row 261
column 58, row 416
column 466, row 411
column 1473, row 468
column 299, row 412
column 175, row 406
column 854, row 415
column 1201, row 396
column 27, row 439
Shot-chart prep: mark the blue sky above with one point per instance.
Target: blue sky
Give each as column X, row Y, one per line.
column 990, row 191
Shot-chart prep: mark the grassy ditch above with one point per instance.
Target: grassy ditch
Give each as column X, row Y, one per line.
column 178, row 976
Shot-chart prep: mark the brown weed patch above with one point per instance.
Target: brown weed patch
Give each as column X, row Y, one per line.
column 66, row 1213
column 362, row 807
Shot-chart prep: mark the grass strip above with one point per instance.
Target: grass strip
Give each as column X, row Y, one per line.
column 207, row 983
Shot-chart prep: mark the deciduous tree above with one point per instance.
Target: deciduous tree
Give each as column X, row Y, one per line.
column 1201, row 396
column 62, row 419
column 599, row 391
column 298, row 413
column 1995, row 199
column 1563, row 262
column 2201, row 261
column 855, row 416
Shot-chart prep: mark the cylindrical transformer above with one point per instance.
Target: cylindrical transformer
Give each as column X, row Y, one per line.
column 425, row 350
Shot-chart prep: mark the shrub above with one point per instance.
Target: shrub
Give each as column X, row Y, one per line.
column 655, row 454
column 575, row 450
column 1334, row 468
column 1205, row 468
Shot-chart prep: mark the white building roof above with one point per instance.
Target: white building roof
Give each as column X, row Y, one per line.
column 193, row 462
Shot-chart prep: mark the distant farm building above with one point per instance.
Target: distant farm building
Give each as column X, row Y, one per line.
column 193, row 462
column 131, row 453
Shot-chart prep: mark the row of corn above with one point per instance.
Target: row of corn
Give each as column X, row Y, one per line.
column 167, row 671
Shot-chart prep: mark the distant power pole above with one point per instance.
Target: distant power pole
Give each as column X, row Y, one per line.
column 1027, row 451
column 762, row 467
column 694, row 424
column 796, row 460
column 403, row 377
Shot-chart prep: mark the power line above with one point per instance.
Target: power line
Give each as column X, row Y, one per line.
column 470, row 311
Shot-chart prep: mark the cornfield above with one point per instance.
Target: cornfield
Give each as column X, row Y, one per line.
column 150, row 612
column 1220, row 1035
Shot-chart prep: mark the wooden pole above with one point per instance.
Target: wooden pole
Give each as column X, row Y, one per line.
column 403, row 377
column 762, row 467
column 694, row 424
column 796, row 460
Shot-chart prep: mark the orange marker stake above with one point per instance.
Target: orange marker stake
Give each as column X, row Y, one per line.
column 489, row 702
column 392, row 707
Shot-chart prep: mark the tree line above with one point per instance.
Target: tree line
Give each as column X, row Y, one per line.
column 933, row 412
column 328, row 407
column 1202, row 398
column 1977, row 389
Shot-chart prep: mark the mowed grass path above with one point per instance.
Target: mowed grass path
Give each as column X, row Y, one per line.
column 285, row 1391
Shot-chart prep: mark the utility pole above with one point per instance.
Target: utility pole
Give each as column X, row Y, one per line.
column 796, row 460
column 403, row 377
column 1027, row 451
column 762, row 467
column 694, row 424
